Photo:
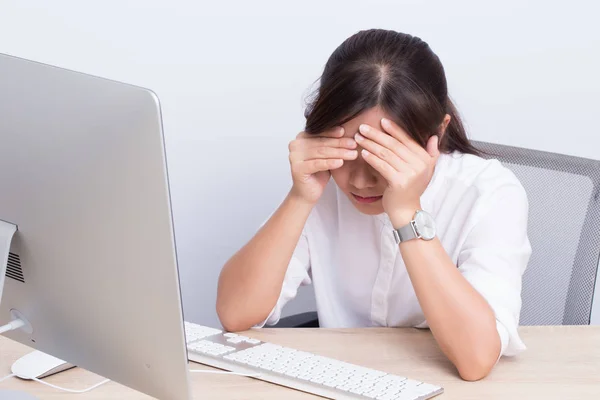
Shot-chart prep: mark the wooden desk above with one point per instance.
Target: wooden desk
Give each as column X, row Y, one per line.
column 560, row 363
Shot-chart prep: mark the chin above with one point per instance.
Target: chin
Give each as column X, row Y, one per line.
column 369, row 210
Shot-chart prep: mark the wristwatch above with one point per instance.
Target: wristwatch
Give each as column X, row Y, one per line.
column 422, row 226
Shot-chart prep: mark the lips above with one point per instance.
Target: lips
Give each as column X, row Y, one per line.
column 366, row 199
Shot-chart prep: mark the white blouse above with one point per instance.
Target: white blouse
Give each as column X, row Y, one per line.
column 358, row 274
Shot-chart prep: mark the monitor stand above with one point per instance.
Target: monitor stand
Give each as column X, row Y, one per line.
column 16, row 395
column 7, row 231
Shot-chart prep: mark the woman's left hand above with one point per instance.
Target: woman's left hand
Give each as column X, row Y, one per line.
column 405, row 165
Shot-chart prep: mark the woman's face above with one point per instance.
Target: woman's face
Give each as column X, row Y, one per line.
column 363, row 185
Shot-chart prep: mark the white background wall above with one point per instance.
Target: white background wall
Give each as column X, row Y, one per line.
column 232, row 77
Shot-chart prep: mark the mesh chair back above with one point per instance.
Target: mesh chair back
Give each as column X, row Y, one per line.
column 564, row 230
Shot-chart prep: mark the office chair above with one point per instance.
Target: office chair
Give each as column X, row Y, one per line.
column 564, row 230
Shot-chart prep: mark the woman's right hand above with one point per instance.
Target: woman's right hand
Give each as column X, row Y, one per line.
column 313, row 156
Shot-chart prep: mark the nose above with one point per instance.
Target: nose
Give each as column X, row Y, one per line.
column 362, row 175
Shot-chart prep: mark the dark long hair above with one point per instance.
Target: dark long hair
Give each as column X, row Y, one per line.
column 395, row 71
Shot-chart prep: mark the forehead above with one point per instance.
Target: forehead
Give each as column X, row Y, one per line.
column 370, row 117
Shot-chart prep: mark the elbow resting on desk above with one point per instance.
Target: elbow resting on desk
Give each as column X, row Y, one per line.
column 476, row 368
column 233, row 321
column 234, row 326
column 478, row 360
column 230, row 321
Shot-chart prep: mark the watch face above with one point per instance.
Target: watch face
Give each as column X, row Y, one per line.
column 425, row 225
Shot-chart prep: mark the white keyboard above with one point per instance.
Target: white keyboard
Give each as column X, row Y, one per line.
column 299, row 370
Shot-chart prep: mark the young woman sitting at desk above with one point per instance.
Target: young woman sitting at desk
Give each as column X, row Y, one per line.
column 384, row 129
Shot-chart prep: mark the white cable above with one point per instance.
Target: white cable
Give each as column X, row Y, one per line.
column 6, row 377
column 70, row 390
column 207, row 371
column 12, row 325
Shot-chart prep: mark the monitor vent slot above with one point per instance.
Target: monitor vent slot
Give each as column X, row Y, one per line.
column 13, row 269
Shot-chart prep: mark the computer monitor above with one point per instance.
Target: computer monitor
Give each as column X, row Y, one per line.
column 93, row 265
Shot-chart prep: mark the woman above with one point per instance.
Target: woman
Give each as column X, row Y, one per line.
column 383, row 127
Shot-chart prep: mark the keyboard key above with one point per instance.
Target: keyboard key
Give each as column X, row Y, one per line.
column 411, row 384
column 386, row 397
column 426, row 388
column 405, row 395
column 357, row 390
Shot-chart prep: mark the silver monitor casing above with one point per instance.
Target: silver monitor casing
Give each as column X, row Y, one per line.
column 83, row 176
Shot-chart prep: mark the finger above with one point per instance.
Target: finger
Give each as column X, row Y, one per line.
column 313, row 166
column 393, row 129
column 329, row 152
column 298, row 148
column 386, row 170
column 433, row 146
column 335, row 132
column 348, row 143
column 389, row 142
column 382, row 153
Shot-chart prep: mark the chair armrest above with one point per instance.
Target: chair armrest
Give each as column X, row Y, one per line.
column 302, row 320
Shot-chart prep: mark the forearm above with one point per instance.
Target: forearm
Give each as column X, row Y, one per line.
column 460, row 319
column 250, row 282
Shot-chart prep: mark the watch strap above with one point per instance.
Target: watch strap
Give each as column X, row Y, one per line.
column 407, row 232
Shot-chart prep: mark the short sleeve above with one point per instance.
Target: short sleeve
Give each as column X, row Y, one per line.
column 297, row 274
column 495, row 255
